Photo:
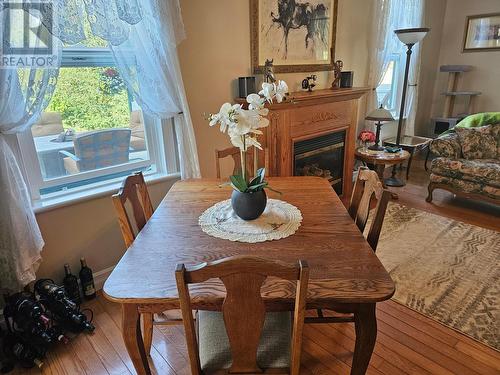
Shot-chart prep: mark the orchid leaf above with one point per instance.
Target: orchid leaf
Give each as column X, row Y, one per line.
column 239, row 183
column 258, row 187
column 254, row 181
column 261, row 172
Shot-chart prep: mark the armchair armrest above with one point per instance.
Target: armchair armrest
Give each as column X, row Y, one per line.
column 69, row 154
column 447, row 146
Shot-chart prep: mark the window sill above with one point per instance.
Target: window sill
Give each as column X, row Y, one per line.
column 48, row 204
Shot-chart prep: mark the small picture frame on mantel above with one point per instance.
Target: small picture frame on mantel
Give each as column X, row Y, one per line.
column 482, row 33
column 297, row 36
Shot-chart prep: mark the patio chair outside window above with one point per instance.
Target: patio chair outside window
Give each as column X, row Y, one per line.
column 99, row 149
column 50, row 123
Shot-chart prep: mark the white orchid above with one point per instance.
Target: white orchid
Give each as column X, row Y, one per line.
column 253, row 118
column 225, row 117
column 281, row 90
column 244, row 142
column 242, row 125
column 255, row 101
column 268, row 91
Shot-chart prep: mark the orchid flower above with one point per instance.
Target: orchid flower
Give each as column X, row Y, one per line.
column 281, row 90
column 242, row 125
column 268, row 91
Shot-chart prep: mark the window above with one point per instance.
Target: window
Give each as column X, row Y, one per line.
column 92, row 132
column 388, row 91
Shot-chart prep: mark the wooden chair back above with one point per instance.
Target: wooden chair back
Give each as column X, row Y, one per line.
column 243, row 308
column 369, row 187
column 252, row 161
column 135, row 191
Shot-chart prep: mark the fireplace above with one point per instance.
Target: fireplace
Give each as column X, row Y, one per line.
column 321, row 156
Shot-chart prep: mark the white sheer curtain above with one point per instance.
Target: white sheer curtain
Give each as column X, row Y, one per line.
column 149, row 64
column 24, row 94
column 390, row 15
column 379, row 50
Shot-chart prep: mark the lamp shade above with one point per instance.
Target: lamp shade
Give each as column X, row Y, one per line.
column 379, row 114
column 412, row 36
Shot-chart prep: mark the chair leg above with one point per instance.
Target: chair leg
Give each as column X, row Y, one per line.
column 427, row 158
column 430, row 189
column 147, row 321
column 320, row 313
column 408, row 166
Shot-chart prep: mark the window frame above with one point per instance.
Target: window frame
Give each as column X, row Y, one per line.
column 159, row 134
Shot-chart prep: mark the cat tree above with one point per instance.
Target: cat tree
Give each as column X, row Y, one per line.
column 449, row 120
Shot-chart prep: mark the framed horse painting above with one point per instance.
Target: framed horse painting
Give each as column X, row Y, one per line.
column 297, row 35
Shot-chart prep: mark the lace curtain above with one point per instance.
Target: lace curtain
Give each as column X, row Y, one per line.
column 390, row 15
column 149, row 65
column 127, row 25
column 24, row 94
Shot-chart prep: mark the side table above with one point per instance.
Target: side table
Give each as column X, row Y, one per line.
column 412, row 144
column 379, row 159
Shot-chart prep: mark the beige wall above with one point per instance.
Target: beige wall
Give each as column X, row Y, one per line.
column 217, row 51
column 88, row 229
column 486, row 74
column 433, row 18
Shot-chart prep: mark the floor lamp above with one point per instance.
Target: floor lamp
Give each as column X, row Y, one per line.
column 410, row 37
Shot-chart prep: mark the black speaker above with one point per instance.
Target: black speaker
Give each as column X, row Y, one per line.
column 246, row 85
column 346, row 79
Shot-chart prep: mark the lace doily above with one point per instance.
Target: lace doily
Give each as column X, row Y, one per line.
column 279, row 220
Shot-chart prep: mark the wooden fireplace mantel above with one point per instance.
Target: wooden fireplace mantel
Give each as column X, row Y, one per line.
column 305, row 115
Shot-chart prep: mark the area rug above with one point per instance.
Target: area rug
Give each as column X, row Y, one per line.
column 444, row 269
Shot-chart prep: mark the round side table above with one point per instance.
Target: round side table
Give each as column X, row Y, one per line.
column 380, row 159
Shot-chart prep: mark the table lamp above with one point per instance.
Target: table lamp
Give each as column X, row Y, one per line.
column 380, row 114
column 410, row 37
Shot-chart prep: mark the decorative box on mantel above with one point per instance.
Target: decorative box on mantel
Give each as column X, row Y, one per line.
column 314, row 133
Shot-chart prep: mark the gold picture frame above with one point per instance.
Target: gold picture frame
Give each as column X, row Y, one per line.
column 308, row 34
column 482, row 33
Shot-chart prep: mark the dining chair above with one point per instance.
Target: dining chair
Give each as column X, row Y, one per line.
column 135, row 193
column 234, row 152
column 367, row 188
column 243, row 338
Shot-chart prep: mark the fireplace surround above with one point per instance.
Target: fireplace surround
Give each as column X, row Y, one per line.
column 316, row 116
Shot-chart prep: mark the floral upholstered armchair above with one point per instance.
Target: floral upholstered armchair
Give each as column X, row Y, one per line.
column 468, row 163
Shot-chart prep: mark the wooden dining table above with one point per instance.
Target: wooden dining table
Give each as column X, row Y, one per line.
column 345, row 274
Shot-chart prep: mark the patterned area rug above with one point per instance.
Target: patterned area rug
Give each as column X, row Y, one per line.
column 444, row 269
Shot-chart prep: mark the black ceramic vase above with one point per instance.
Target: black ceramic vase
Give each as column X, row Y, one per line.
column 249, row 206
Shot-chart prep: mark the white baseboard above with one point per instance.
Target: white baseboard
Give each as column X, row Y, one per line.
column 101, row 276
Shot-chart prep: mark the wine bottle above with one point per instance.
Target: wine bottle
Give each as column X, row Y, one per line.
column 87, row 280
column 28, row 355
column 71, row 287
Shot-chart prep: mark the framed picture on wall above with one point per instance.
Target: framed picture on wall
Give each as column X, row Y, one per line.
column 297, row 35
column 482, row 33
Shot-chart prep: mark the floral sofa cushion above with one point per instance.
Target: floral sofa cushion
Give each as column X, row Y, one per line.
column 447, row 146
column 467, row 186
column 477, row 143
column 495, row 132
column 482, row 171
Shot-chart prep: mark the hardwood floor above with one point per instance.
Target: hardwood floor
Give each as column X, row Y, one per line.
column 407, row 342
